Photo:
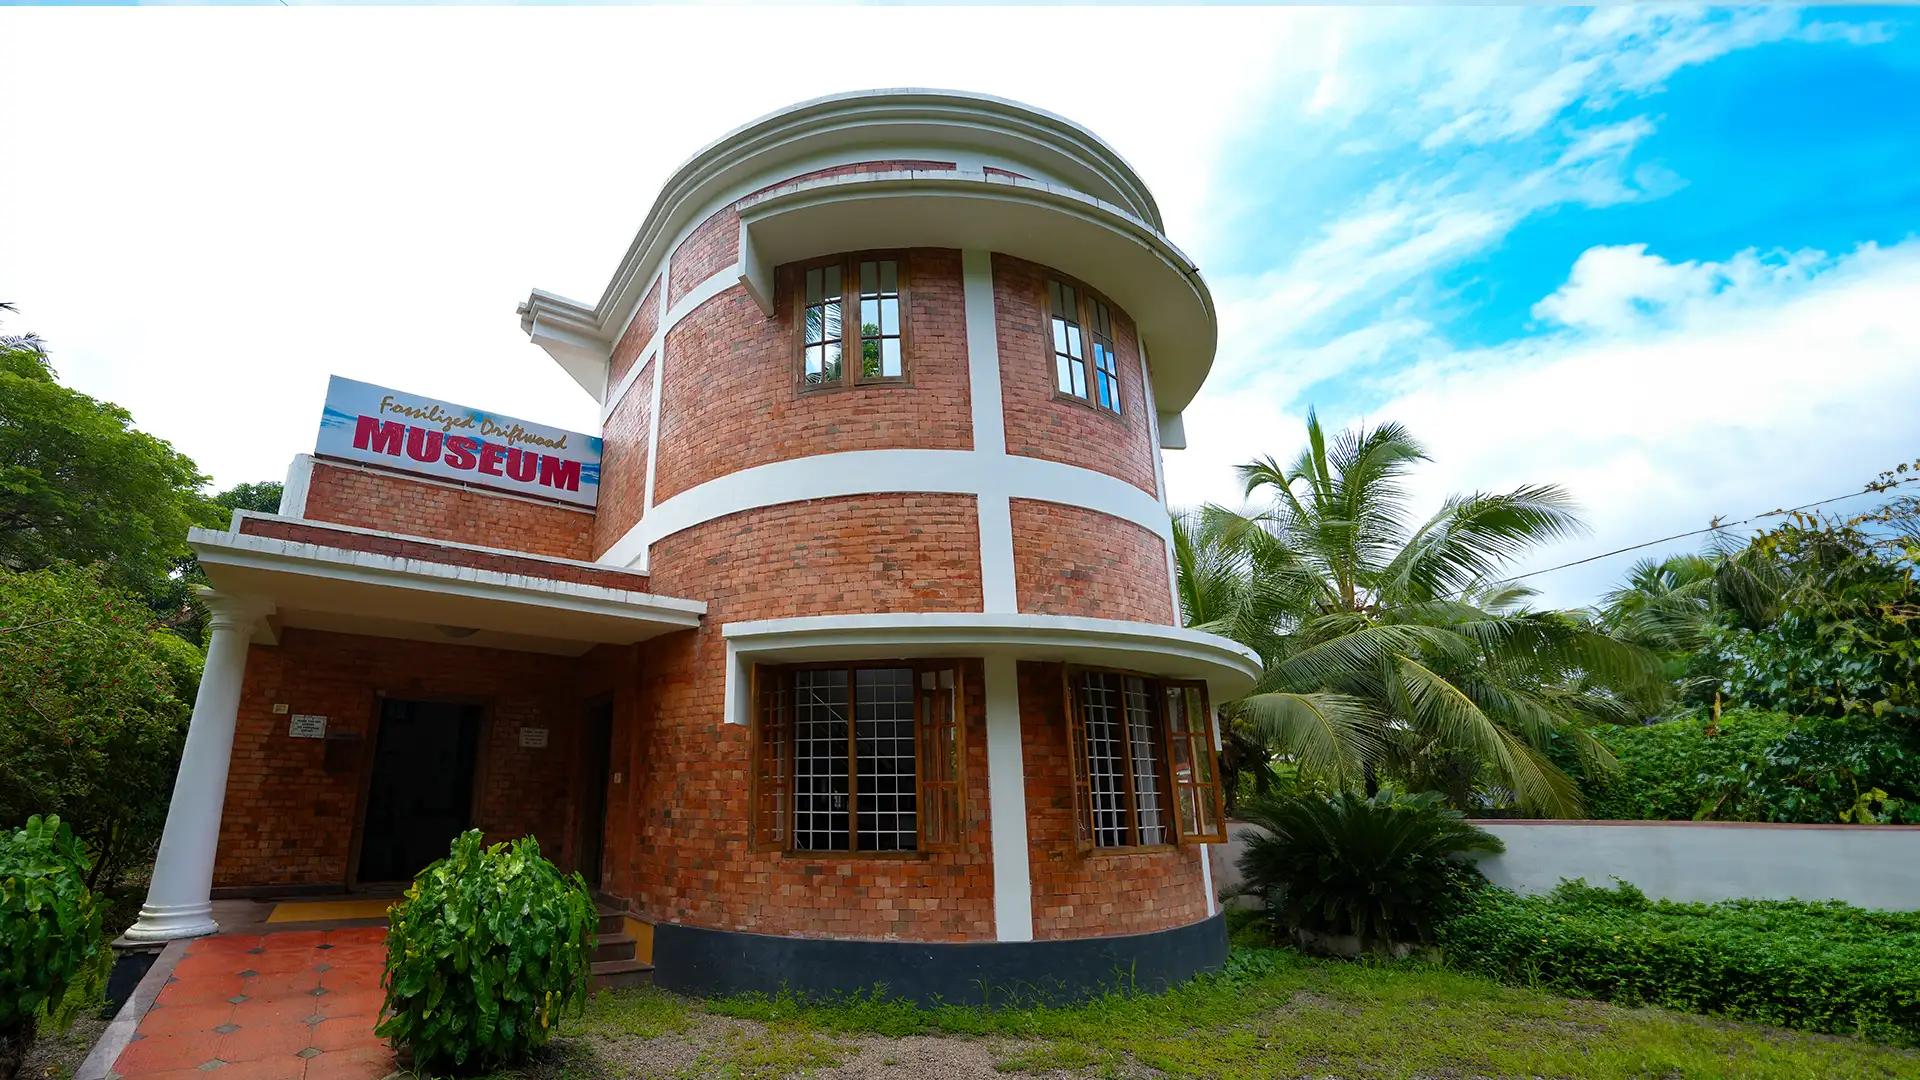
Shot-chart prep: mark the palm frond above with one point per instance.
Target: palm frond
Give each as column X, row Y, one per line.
column 1332, row 736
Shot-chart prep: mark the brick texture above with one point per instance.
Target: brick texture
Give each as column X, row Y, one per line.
column 1068, row 560
column 623, row 464
column 1088, row 894
column 289, row 816
column 712, row 246
column 370, row 499
column 1041, row 425
column 646, row 320
column 729, row 398
column 687, row 859
column 497, row 561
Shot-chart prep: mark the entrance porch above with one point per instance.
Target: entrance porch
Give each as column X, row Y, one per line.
column 367, row 697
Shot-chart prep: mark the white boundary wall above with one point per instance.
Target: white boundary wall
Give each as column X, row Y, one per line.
column 1871, row 866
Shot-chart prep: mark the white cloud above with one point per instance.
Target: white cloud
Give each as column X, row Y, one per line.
column 1621, row 288
column 1763, row 383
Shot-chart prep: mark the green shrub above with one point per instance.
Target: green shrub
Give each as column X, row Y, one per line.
column 49, row 933
column 94, row 703
column 1381, row 869
column 1759, row 766
column 1822, row 966
column 486, row 952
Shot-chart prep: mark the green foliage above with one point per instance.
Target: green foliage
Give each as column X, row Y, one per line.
column 94, row 703
column 262, row 497
column 49, row 926
column 79, row 484
column 1759, row 766
column 1392, row 650
column 1825, row 966
column 1382, row 869
column 1846, row 641
column 486, row 953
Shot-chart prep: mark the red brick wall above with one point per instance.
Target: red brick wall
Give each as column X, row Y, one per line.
column 623, row 464
column 427, row 551
column 370, row 499
column 712, row 246
column 688, row 859
column 729, row 399
column 289, row 820
column 1086, row 894
column 1072, row 561
column 1041, row 425
column 640, row 331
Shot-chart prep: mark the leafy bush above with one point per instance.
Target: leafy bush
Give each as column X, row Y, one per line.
column 486, row 952
column 1823, row 966
column 1757, row 766
column 1382, row 869
column 93, row 711
column 49, row 933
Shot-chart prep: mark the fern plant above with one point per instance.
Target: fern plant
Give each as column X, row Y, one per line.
column 50, row 952
column 1382, row 869
column 486, row 953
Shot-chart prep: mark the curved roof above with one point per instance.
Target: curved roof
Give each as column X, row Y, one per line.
column 1068, row 157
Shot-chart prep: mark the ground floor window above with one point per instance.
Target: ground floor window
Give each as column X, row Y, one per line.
column 863, row 758
column 1145, row 769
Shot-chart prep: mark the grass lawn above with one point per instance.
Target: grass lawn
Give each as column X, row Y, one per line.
column 1276, row 1014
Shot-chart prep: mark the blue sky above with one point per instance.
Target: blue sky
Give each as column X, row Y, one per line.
column 1667, row 257
column 1470, row 228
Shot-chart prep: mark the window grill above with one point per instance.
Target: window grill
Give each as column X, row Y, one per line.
column 861, row 758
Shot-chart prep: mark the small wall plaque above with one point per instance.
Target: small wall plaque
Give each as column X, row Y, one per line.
column 533, row 738
column 307, row 726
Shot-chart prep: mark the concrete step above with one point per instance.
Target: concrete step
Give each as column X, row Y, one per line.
column 618, row 975
column 613, row 947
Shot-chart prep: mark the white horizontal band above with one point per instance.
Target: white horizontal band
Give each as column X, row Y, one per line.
column 875, row 472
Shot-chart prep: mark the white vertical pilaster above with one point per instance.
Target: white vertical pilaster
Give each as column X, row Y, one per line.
column 293, row 493
column 1007, row 798
column 995, row 510
column 179, row 899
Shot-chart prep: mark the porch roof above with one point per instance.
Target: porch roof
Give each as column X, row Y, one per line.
column 364, row 592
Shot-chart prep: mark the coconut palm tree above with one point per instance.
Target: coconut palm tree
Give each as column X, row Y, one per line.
column 1394, row 650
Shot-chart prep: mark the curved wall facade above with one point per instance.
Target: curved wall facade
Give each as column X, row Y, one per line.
column 972, row 486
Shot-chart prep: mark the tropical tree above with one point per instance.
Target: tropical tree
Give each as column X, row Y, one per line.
column 1394, row 649
column 78, row 483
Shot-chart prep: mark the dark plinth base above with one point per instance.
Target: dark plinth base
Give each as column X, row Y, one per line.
column 693, row 960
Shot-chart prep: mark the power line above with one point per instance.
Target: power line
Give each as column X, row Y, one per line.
column 1715, row 527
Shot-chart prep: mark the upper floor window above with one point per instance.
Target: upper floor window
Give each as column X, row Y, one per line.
column 1144, row 766
column 1084, row 364
column 872, row 289
column 860, row 758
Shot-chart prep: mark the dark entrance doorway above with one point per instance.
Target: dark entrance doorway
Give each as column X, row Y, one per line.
column 420, row 795
column 596, row 752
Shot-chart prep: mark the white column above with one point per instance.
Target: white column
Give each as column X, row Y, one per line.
column 1007, row 803
column 995, row 510
column 179, row 899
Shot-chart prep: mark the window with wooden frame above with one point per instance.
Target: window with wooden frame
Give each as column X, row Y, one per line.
column 1080, row 332
column 1145, row 773
column 871, row 290
column 859, row 758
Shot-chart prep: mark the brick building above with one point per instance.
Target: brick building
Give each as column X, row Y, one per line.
column 864, row 664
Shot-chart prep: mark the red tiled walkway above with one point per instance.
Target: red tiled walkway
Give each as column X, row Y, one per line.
column 291, row 1005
